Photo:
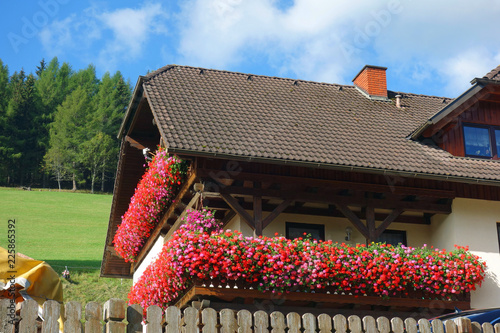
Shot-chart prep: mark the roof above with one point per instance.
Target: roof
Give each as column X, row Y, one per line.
column 494, row 74
column 243, row 116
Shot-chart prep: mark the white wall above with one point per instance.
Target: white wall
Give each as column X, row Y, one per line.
column 474, row 223
column 150, row 257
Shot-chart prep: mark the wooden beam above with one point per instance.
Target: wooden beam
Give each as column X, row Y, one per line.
column 134, row 143
column 370, row 223
column 257, row 211
column 179, row 221
column 234, row 204
column 388, row 220
column 354, row 220
column 257, row 215
column 330, row 198
column 379, row 188
column 301, row 210
column 227, row 218
column 230, row 294
column 276, row 211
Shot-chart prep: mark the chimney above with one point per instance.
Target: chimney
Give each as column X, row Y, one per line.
column 371, row 81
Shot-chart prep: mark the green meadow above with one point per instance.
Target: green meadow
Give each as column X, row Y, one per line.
column 64, row 229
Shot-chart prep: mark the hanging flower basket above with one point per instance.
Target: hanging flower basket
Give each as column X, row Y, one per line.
column 207, row 255
column 153, row 194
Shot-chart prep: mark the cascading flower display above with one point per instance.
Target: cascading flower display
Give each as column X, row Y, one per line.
column 155, row 191
column 278, row 264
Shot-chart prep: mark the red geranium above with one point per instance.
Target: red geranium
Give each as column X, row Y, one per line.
column 155, row 191
column 280, row 265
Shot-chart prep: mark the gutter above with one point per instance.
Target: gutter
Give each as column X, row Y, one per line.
column 385, row 172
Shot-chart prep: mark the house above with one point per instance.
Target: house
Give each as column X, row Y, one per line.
column 351, row 163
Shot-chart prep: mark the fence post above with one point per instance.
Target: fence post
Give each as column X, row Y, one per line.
column 369, row 324
column 7, row 315
column 261, row 322
column 397, row 325
column 355, row 325
column 293, row 322
column 209, row 320
column 134, row 318
column 50, row 314
column 325, row 323
column 227, row 321
column 476, row 327
column 411, row 325
column 450, row 326
column 309, row 323
column 93, row 314
column 437, row 326
column 191, row 320
column 173, row 319
column 488, row 328
column 463, row 325
column 72, row 316
column 29, row 315
column 424, row 326
column 340, row 323
column 384, row 325
column 113, row 315
column 244, row 321
column 278, row 322
column 154, row 319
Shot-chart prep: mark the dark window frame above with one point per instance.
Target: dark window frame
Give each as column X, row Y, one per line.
column 498, row 233
column 491, row 134
column 318, row 227
column 398, row 232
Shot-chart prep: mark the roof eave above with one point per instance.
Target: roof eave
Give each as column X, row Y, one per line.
column 477, row 86
column 132, row 106
column 389, row 172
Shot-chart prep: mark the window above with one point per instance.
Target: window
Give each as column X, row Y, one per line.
column 296, row 230
column 481, row 141
column 393, row 237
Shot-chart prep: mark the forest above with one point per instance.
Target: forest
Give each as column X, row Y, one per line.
column 58, row 127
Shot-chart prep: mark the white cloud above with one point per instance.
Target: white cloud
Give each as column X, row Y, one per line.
column 71, row 33
column 122, row 33
column 131, row 28
column 58, row 36
column 330, row 40
column 462, row 68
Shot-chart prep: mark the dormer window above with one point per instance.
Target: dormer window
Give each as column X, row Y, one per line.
column 481, row 141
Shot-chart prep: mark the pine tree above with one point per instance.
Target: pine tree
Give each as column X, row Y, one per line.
column 110, row 104
column 23, row 153
column 95, row 154
column 68, row 133
column 4, row 139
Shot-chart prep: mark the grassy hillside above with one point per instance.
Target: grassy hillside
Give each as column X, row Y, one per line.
column 64, row 229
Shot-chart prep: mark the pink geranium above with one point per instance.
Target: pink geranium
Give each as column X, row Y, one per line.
column 153, row 194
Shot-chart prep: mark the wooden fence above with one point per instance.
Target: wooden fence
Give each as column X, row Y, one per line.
column 116, row 317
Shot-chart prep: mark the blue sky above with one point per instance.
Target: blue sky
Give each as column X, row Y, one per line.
column 429, row 47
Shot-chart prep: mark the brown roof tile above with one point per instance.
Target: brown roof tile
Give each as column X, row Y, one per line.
column 227, row 113
column 494, row 74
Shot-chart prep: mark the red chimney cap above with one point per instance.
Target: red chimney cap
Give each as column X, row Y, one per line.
column 369, row 66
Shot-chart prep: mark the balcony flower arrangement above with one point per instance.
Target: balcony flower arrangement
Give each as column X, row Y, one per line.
column 155, row 191
column 211, row 256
